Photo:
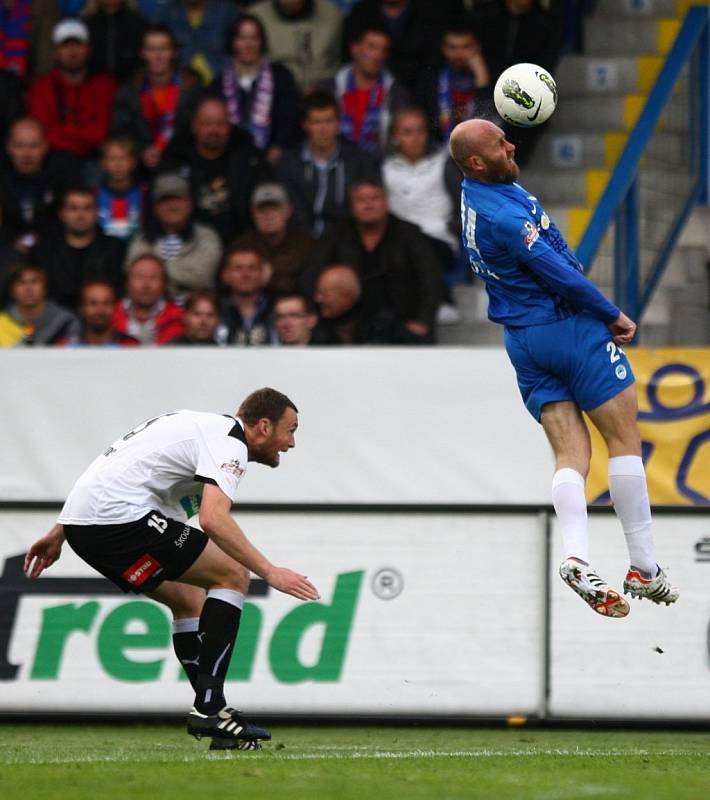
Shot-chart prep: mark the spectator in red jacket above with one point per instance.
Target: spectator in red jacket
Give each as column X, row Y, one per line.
column 145, row 313
column 73, row 106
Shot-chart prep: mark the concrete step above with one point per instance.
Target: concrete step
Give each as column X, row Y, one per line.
column 578, row 187
column 613, row 35
column 578, row 150
column 636, row 8
column 690, row 314
column 597, row 114
column 568, row 188
column 474, row 328
column 584, row 75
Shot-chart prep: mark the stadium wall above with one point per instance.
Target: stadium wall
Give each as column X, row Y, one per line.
column 439, row 588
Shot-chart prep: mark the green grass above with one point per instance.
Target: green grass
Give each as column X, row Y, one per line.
column 102, row 762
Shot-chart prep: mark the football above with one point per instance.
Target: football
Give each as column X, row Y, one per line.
column 525, row 95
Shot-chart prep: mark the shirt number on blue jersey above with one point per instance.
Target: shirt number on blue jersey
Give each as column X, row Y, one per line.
column 614, row 351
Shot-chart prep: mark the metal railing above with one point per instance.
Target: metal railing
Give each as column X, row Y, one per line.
column 662, row 172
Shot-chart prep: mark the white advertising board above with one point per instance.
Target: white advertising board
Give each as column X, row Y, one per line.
column 377, row 425
column 653, row 663
column 416, row 617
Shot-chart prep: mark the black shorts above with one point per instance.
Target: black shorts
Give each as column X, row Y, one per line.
column 138, row 556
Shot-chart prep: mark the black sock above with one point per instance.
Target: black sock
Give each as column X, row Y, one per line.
column 187, row 649
column 219, row 623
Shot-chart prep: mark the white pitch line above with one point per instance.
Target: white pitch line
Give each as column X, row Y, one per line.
column 270, row 755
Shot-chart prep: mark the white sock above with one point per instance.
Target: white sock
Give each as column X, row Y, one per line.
column 186, row 625
column 231, row 596
column 571, row 509
column 629, row 494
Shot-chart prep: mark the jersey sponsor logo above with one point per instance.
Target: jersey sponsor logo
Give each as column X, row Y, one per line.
column 183, row 537
column 139, row 572
column 530, row 234
column 191, row 504
column 234, row 467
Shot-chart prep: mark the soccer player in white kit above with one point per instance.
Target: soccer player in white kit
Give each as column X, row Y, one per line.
column 127, row 517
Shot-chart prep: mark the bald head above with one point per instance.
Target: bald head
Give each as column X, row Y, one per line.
column 26, row 145
column 337, row 290
column 211, row 127
column 481, row 151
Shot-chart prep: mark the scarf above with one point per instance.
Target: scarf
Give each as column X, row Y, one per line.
column 259, row 122
column 14, row 36
column 368, row 136
column 159, row 107
column 456, row 101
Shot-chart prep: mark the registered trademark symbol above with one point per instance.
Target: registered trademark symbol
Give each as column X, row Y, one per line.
column 387, row 583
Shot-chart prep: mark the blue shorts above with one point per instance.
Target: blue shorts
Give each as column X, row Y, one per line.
column 571, row 359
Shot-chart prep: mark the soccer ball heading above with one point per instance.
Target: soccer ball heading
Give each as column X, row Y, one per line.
column 525, row 95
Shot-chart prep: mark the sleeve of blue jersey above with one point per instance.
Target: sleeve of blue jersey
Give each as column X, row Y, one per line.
column 523, row 242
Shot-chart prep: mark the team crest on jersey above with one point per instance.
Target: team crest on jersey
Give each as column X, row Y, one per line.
column 530, row 234
column 234, row 467
column 544, row 221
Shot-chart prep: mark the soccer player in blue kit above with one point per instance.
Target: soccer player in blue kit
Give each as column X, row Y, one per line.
column 564, row 340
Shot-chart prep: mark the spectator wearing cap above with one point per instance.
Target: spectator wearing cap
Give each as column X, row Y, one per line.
column 201, row 320
column 156, row 104
column 282, row 244
column 115, row 30
column 199, row 27
column 367, row 92
column 304, row 35
column 77, row 250
column 222, row 166
column 246, row 307
column 145, row 313
column 191, row 250
column 261, row 96
column 73, row 106
column 319, row 172
column 33, row 319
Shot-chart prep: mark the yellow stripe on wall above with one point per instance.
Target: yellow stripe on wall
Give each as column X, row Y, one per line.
column 577, row 221
column 596, row 180
column 613, row 145
column 668, row 28
column 633, row 105
column 648, row 68
column 682, row 6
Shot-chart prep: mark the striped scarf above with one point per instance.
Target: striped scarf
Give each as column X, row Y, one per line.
column 369, row 136
column 14, row 36
column 159, row 108
column 456, row 99
column 259, row 122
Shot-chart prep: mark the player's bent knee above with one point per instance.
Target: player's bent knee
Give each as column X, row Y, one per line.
column 215, row 569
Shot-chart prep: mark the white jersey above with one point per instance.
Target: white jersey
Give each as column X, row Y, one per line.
column 161, row 465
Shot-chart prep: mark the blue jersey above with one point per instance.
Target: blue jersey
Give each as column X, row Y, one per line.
column 532, row 277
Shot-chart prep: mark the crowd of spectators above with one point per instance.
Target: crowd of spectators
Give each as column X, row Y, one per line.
column 211, row 172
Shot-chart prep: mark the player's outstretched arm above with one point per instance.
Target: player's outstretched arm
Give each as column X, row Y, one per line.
column 45, row 551
column 623, row 329
column 217, row 523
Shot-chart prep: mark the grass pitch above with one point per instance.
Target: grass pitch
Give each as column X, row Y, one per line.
column 78, row 762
